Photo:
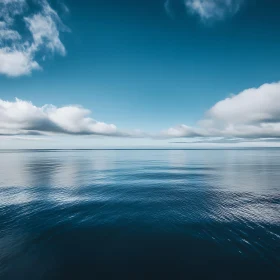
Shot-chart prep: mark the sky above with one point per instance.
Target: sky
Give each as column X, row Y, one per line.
column 129, row 73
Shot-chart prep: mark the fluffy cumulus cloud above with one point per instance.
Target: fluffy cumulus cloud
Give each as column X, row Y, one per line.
column 252, row 114
column 23, row 118
column 213, row 9
column 28, row 35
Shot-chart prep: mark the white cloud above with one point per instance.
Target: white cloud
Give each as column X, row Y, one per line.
column 253, row 114
column 213, row 9
column 45, row 33
column 20, row 53
column 10, row 8
column 22, row 117
column 252, row 105
column 180, row 131
column 8, row 35
column 16, row 63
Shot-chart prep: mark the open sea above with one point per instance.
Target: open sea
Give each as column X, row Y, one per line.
column 140, row 214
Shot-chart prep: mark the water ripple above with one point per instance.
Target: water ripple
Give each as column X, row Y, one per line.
column 140, row 214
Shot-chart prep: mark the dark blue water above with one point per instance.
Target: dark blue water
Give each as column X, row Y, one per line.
column 140, row 214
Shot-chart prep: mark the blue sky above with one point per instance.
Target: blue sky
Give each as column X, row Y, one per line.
column 149, row 72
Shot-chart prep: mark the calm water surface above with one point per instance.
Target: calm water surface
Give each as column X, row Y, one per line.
column 140, row 214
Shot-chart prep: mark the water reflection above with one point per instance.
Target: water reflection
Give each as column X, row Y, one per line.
column 65, row 213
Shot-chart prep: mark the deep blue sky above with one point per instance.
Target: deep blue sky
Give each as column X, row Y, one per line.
column 130, row 63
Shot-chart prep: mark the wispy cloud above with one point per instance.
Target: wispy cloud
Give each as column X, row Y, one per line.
column 213, row 9
column 168, row 9
column 207, row 10
column 22, row 48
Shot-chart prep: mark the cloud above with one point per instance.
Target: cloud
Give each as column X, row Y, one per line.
column 27, row 35
column 16, row 63
column 213, row 9
column 254, row 105
column 23, row 118
column 168, row 8
column 180, row 131
column 252, row 114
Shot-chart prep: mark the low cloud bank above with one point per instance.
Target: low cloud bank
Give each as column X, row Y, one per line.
column 251, row 115
column 22, row 117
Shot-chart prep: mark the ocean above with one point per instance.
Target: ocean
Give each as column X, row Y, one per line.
column 140, row 214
